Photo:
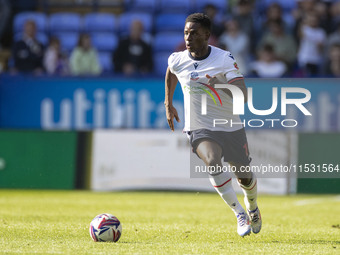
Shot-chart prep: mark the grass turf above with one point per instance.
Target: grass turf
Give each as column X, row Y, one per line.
column 48, row 222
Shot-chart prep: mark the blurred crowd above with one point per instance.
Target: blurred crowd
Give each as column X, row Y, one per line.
column 273, row 42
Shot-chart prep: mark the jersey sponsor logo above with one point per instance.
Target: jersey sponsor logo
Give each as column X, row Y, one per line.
column 194, row 76
column 195, row 65
column 231, row 56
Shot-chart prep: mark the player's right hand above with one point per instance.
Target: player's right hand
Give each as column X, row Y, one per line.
column 171, row 113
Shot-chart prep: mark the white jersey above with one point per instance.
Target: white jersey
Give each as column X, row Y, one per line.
column 191, row 74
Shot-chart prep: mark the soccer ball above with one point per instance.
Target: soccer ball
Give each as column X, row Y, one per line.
column 105, row 228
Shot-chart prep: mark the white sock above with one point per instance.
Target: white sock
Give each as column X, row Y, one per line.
column 223, row 185
column 250, row 193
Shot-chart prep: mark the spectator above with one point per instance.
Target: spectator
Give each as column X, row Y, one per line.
column 324, row 16
column 54, row 61
column 267, row 66
column 333, row 67
column 334, row 37
column 312, row 43
column 133, row 55
column 236, row 42
column 273, row 14
column 334, row 11
column 84, row 58
column 303, row 8
column 28, row 52
column 216, row 27
column 243, row 14
column 285, row 47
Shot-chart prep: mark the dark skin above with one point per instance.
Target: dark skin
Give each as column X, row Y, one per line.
column 196, row 40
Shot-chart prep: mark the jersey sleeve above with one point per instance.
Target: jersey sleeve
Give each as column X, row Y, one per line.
column 231, row 70
column 172, row 63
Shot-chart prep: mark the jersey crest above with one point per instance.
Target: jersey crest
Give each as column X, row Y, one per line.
column 194, row 76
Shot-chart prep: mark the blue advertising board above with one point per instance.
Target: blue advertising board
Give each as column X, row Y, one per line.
column 83, row 104
column 52, row 103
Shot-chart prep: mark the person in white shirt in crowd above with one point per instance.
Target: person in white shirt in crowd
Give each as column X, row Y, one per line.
column 284, row 45
column 267, row 65
column 55, row 62
column 312, row 42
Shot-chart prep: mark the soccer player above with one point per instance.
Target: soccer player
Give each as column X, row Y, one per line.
column 198, row 69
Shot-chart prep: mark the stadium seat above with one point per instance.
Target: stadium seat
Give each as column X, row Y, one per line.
column 182, row 6
column 68, row 40
column 105, row 60
column 39, row 18
column 161, row 62
column 220, row 4
column 104, row 41
column 167, row 41
column 170, row 22
column 42, row 37
column 141, row 5
column 65, row 22
column 126, row 19
column 100, row 22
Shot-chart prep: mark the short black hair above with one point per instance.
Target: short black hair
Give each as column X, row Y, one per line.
column 201, row 19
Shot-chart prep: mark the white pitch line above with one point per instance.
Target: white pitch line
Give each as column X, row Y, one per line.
column 318, row 200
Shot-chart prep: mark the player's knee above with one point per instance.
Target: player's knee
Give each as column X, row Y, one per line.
column 212, row 160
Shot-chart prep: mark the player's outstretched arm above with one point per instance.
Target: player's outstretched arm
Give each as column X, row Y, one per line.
column 170, row 86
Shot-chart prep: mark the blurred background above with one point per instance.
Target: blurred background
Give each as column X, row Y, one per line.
column 82, row 90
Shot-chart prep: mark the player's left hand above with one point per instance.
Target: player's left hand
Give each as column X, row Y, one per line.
column 212, row 80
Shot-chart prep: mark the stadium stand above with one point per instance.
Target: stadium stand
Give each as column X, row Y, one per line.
column 65, row 22
column 104, row 41
column 105, row 61
column 181, row 6
column 68, row 40
column 126, row 19
column 160, row 62
column 287, row 5
column 100, row 22
column 167, row 41
column 220, row 4
column 141, row 5
column 162, row 23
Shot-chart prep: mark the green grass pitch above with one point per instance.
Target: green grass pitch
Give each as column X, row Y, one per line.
column 56, row 222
